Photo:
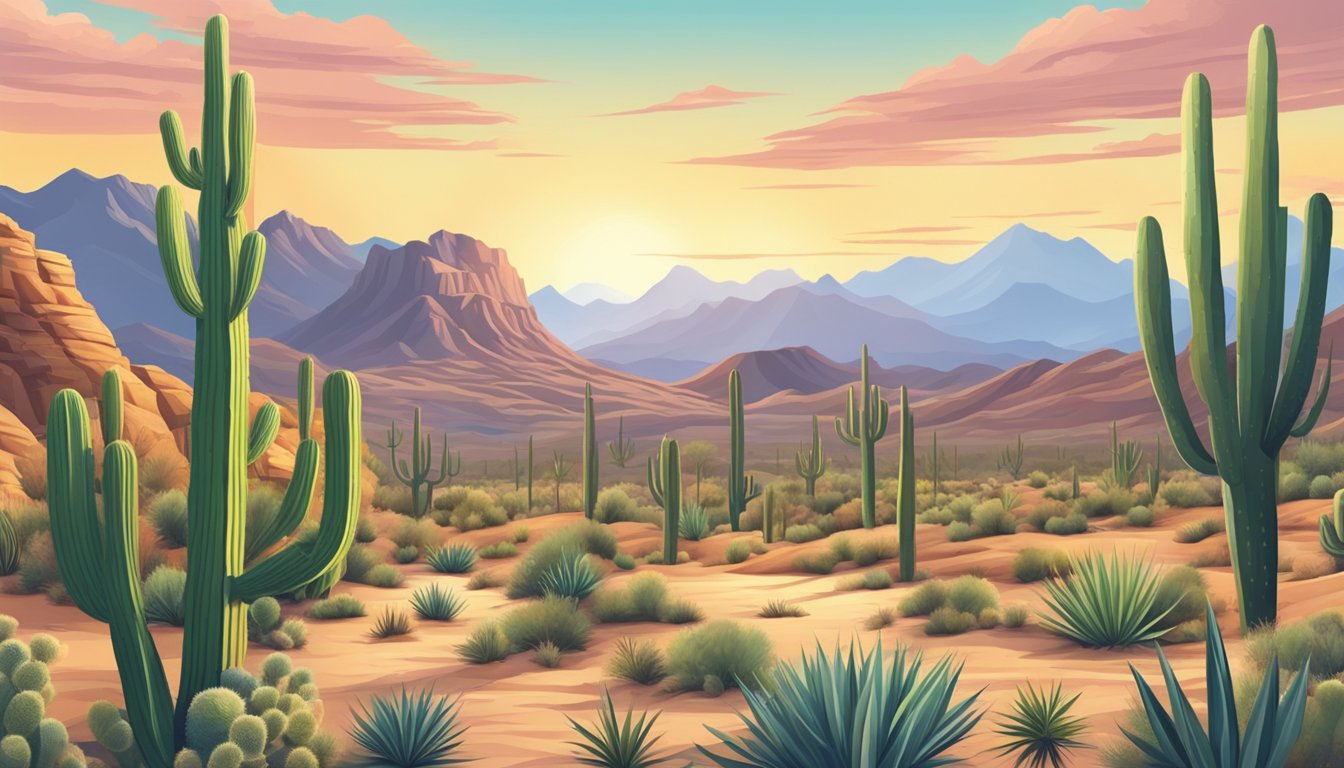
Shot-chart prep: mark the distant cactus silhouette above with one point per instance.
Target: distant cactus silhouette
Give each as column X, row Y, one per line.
column 863, row 424
column 811, row 465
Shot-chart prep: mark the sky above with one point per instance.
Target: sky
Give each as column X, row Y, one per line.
column 609, row 140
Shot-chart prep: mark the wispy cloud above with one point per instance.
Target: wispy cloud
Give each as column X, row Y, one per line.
column 1153, row 145
column 528, row 154
column 320, row 83
column 1067, row 76
column 762, row 255
column 911, row 230
column 812, row 186
column 914, row 241
column 709, row 97
column 1031, row 215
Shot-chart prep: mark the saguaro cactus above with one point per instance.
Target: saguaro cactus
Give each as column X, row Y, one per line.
column 589, row 454
column 1155, row 471
column 1125, row 458
column 416, row 475
column 664, row 473
column 811, row 465
column 905, row 495
column 559, row 471
column 1332, row 528
column 531, row 466
column 622, row 449
column 742, row 487
column 770, row 516
column 1011, row 458
column 936, row 456
column 1253, row 414
column 864, row 423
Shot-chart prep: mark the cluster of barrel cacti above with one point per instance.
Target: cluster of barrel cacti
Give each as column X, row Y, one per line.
column 742, row 487
column 267, row 626
column 28, row 738
column 664, row 478
column 811, row 464
column 97, row 550
column 418, row 475
column 862, row 425
column 1253, row 411
column 1126, row 455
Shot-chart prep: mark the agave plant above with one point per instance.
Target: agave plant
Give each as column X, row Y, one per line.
column 437, row 604
column 456, row 558
column 694, row 522
column 1106, row 603
column 409, row 731
column 1180, row 738
column 853, row 711
column 615, row 744
column 572, row 576
column 1040, row 729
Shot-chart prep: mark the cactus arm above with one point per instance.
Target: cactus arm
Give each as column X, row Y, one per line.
column 251, row 259
column 399, row 469
column 149, row 704
column 305, row 398
column 445, row 458
column 1308, row 423
column 1152, row 295
column 171, row 227
column 882, row 411
column 1332, row 527
column 844, row 425
column 1296, row 383
column 110, row 407
column 74, row 513
column 243, row 131
column 294, row 566
column 186, row 166
column 655, row 480
column 265, row 426
column 294, row 505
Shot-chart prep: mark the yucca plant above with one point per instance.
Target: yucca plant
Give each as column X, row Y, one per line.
column 572, row 576
column 409, row 731
column 693, row 524
column 1040, row 729
column 638, row 661
column 612, row 743
column 455, row 558
column 1106, row 603
column 853, row 711
column 392, row 623
column 1180, row 739
column 436, row 604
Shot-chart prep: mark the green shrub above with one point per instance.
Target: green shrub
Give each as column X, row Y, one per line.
column 572, row 576
column 1321, row 487
column 394, row 498
column 1195, row 532
column 623, row 561
column 1046, row 511
column 477, row 510
column 924, row 599
column 392, row 622
column 1058, row 492
column 1015, row 616
column 364, row 531
column 1319, row 637
column 615, row 506
column 882, row 618
column 551, row 619
column 949, row 621
column 1037, row 563
column 638, row 661
column 971, row 594
column 1067, row 526
column 1184, row 589
column 878, row 578
column 484, row 580
column 587, row 536
column 454, row 558
column 737, row 552
column 487, row 643
column 405, row 555
column 358, row 562
column 449, row 498
column 408, row 731
column 1319, row 458
column 801, row 534
column 1294, row 486
column 1184, row 494
column 959, row 531
column 1116, row 501
column 1140, row 517
column 1106, row 603
column 993, row 519
column 780, row 609
column 336, row 607
column 420, row 534
column 1038, row 479
column 640, row 598
column 680, row 612
column 168, row 515
column 547, row 655
column 521, row 534
column 436, row 604
column 514, row 504
column 739, row 656
column 874, row 550
column 163, row 596
column 498, row 550
column 817, row 562
column 383, row 576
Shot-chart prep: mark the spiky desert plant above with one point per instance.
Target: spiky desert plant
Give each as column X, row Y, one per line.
column 1125, row 458
column 28, row 736
column 905, row 494
column 864, row 423
column 433, row 603
column 611, row 743
column 1040, row 729
column 417, row 475
column 664, row 474
column 622, row 449
column 9, row 545
column 742, row 487
column 99, row 559
column 1155, row 471
column 589, row 454
column 454, row 558
column 855, row 709
column 811, row 465
column 531, row 465
column 934, row 458
column 1253, row 414
column 1180, row 739
column 1106, row 602
column 559, row 471
column 409, row 731
column 772, row 518
column 1011, row 458
column 1332, row 528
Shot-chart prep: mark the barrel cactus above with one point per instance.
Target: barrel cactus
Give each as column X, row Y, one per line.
column 28, row 737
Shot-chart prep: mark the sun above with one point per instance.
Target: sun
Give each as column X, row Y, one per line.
column 612, row 248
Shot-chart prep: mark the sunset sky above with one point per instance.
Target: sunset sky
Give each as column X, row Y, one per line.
column 608, row 140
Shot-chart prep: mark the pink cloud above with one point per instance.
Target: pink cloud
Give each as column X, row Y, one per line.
column 1154, row 145
column 62, row 73
column 706, row 98
column 911, row 230
column 1067, row 75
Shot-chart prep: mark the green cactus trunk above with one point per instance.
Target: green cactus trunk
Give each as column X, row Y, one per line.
column 1077, row 485
column 589, row 454
column 1252, row 414
column 811, row 465
column 531, row 465
column 768, row 513
column 664, row 477
column 905, row 498
column 935, row 467
column 864, row 423
column 742, row 487
column 416, row 475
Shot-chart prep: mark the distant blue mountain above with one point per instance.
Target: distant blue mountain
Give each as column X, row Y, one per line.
column 361, row 250
column 1334, row 292
column 587, row 293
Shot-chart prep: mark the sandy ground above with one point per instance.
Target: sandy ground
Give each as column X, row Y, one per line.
column 516, row 710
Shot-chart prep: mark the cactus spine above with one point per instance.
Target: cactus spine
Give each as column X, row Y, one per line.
column 863, row 424
column 1253, row 414
column 905, row 496
column 742, row 487
column 1125, row 458
column 1011, row 458
column 103, row 576
column 811, row 465
column 621, row 449
column 1332, row 528
column 589, row 453
column 416, row 475
column 664, row 474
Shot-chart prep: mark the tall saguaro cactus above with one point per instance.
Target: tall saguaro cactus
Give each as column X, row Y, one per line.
column 531, row 466
column 622, row 449
column 1252, row 414
column 811, row 465
column 905, row 495
column 664, row 473
column 742, row 487
column 864, row 423
column 98, row 561
column 589, row 453
column 416, row 475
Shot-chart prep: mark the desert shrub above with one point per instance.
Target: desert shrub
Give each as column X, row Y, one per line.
column 959, row 531
column 514, row 503
column 1185, row 494
column 1045, row 511
column 924, row 599
column 1067, row 526
column 639, row 598
column 484, row 580
column 1319, row 458
column 1116, row 501
column 32, row 477
column 454, row 558
column 1058, row 492
column 551, row 619
column 826, row 503
column 882, row 618
column 693, row 524
column 1195, row 532
column 1140, row 517
column 530, row 573
column 624, row 561
column 1037, row 563
column 1106, row 603
column 1217, row 556
column 521, row 534
column 1182, row 595
column 1321, row 487
column 364, row 531
column 449, row 498
column 737, row 552
column 971, row 594
column 498, row 550
column 817, row 562
column 436, row 604
column 737, row 655
column 1038, row 479
column 1319, row 637
column 878, row 578
column 949, row 621
column 781, row 609
column 680, row 612
column 408, row 731
column 160, row 473
column 993, row 518
column 1313, row 565
column 421, row 534
column 801, row 534
column 547, row 655
column 405, row 555
column 874, row 550
column 1294, row 486
column 168, row 515
column 487, row 643
column 477, row 509
column 383, row 576
column 359, row 560
column 572, row 576
column 638, row 661
column 1015, row 616
column 935, row 516
column 38, row 571
column 163, row 596
column 336, row 607
column 394, row 498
